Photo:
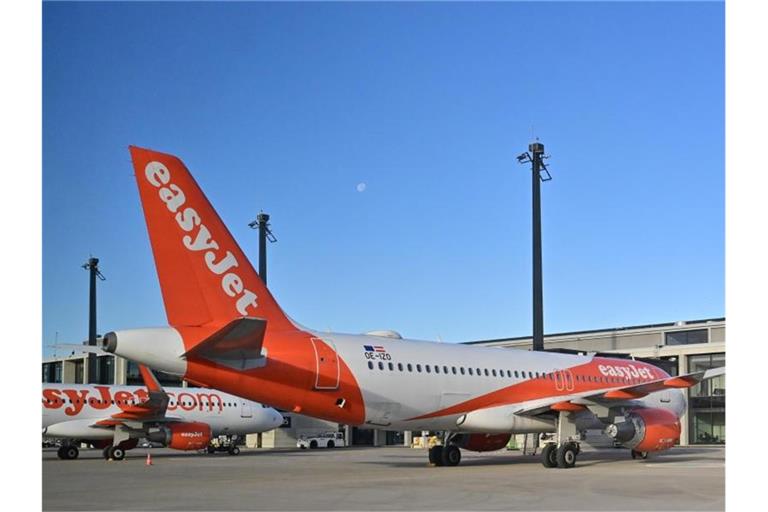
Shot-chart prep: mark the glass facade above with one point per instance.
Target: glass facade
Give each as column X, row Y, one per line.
column 395, row 437
column 706, row 402
column 689, row 337
column 106, row 369
column 133, row 377
column 79, row 371
column 52, row 372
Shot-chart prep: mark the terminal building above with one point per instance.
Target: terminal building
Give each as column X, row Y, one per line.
column 677, row 347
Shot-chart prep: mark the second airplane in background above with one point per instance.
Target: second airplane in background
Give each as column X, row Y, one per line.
column 116, row 417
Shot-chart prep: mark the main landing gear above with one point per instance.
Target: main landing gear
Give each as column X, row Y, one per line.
column 113, row 452
column 68, row 452
column 639, row 455
column 562, row 453
column 445, row 455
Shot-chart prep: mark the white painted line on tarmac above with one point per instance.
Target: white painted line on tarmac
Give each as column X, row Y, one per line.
column 686, row 465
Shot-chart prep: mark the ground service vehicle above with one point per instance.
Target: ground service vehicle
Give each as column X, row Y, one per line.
column 228, row 332
column 326, row 440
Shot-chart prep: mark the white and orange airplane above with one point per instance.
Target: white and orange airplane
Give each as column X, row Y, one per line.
column 116, row 417
column 227, row 332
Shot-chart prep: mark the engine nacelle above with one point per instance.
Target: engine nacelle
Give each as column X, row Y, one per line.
column 647, row 430
column 482, row 442
column 183, row 436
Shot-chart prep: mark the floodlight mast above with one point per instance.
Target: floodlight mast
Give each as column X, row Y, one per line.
column 536, row 158
column 262, row 224
column 94, row 371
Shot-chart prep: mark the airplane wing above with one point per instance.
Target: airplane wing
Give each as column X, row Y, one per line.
column 151, row 409
column 616, row 394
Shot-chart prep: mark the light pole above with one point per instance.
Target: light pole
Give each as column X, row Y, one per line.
column 92, row 265
column 539, row 173
column 262, row 224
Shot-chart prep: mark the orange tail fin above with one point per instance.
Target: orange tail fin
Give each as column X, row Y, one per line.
column 204, row 276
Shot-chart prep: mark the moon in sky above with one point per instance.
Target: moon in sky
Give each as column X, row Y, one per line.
column 360, row 187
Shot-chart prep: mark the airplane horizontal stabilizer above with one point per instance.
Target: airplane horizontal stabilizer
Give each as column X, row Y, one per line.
column 237, row 345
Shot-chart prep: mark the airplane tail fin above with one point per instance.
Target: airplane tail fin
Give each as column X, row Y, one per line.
column 204, row 276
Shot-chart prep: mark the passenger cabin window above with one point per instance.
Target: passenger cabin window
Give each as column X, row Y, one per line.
column 410, row 368
column 493, row 372
column 426, row 367
column 437, row 369
column 418, row 368
column 469, row 370
column 400, row 366
column 381, row 365
column 453, row 369
column 391, row 366
column 370, row 365
column 461, row 370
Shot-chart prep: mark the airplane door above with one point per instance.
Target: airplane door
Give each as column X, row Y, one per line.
column 326, row 364
column 245, row 410
column 559, row 384
column 568, row 380
column 564, row 380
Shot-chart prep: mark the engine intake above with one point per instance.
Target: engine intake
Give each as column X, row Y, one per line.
column 646, row 430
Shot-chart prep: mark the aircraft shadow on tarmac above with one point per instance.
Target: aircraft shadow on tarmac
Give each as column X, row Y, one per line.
column 585, row 459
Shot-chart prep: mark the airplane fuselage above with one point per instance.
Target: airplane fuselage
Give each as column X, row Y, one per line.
column 71, row 410
column 418, row 385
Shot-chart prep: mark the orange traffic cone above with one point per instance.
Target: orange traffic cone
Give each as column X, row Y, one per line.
column 149, row 460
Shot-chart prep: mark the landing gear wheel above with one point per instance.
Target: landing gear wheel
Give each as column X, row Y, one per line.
column 566, row 455
column 549, row 455
column 105, row 452
column 639, row 455
column 116, row 453
column 68, row 452
column 436, row 455
column 234, row 450
column 451, row 455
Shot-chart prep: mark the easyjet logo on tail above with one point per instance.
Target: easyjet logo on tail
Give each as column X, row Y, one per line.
column 200, row 240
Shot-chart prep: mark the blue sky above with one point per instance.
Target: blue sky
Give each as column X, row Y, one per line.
column 288, row 107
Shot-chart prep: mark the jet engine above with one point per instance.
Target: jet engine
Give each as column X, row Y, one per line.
column 646, row 430
column 482, row 442
column 183, row 436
